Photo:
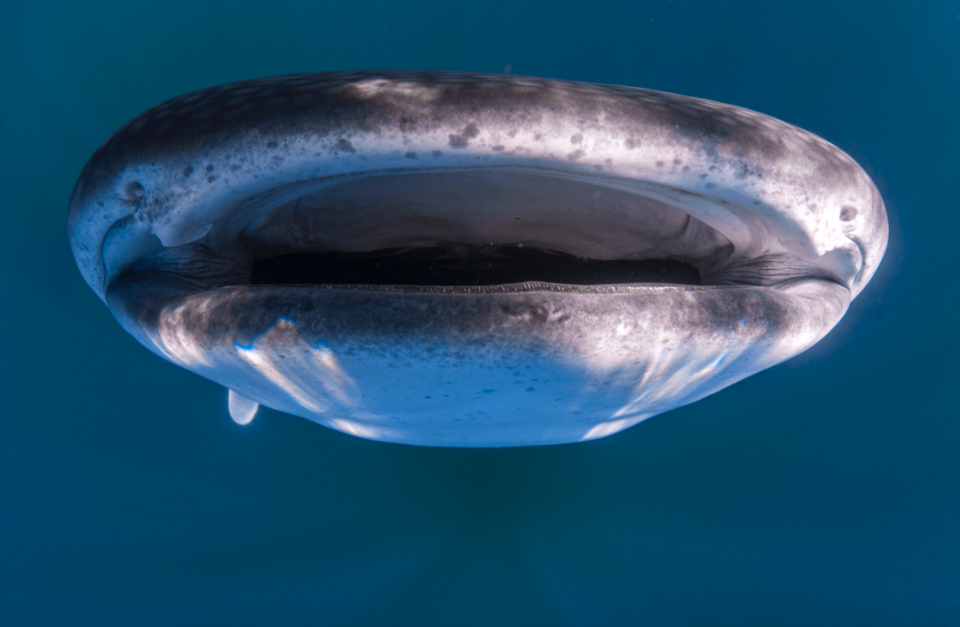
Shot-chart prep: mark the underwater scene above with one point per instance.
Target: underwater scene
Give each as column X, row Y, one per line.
column 521, row 313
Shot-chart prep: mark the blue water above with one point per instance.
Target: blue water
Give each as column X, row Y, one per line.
column 825, row 491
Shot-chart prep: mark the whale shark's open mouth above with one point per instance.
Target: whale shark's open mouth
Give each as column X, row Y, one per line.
column 468, row 228
column 478, row 227
column 420, row 266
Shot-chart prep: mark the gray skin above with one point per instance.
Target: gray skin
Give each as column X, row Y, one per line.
column 169, row 214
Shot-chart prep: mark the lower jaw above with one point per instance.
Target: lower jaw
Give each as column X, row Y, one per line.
column 512, row 365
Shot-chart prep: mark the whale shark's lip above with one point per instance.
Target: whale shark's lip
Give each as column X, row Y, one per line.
column 176, row 220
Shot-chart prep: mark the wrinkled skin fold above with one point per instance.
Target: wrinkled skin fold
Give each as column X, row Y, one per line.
column 171, row 216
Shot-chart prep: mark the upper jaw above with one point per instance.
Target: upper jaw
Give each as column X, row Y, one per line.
column 184, row 169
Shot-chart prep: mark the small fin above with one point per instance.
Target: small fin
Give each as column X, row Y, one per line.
column 242, row 409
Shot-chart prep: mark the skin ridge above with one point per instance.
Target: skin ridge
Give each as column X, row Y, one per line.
column 239, row 314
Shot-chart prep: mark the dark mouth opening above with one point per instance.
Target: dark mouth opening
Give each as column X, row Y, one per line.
column 464, row 265
column 465, row 229
column 471, row 228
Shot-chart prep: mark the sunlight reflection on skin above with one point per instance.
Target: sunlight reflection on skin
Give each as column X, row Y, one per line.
column 178, row 344
column 309, row 374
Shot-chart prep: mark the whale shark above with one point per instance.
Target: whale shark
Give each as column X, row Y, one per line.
column 470, row 260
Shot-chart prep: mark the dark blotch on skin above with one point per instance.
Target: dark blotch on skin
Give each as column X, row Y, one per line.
column 576, row 138
column 847, row 214
column 209, row 168
column 411, row 155
column 632, row 143
column 272, row 143
column 187, row 171
column 133, row 192
column 344, row 145
column 463, row 139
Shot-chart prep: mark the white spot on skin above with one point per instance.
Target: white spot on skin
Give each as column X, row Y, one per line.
column 412, row 90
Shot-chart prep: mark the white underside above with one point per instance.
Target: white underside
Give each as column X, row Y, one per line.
column 437, row 393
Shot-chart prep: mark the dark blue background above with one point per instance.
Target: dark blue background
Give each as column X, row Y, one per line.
column 825, row 491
